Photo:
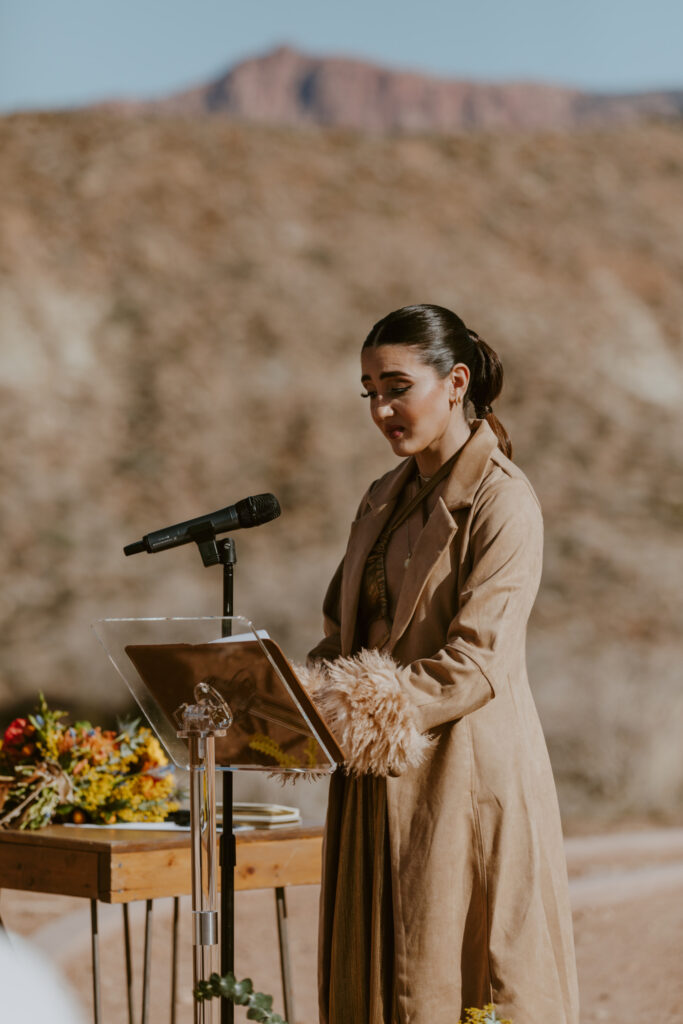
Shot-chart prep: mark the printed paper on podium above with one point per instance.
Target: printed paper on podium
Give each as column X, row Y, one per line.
column 275, row 724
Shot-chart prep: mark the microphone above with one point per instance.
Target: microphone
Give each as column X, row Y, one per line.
column 253, row 511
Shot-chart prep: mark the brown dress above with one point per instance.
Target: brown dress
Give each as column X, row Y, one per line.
column 478, row 877
column 357, row 915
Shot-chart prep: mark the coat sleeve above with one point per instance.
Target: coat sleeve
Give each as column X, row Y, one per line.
column 489, row 628
column 381, row 711
column 329, row 647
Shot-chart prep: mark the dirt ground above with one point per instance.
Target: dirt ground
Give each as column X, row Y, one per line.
column 627, row 896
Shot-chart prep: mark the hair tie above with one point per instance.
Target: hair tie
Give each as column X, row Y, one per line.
column 483, row 411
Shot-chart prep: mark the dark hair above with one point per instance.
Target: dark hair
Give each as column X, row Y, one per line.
column 444, row 340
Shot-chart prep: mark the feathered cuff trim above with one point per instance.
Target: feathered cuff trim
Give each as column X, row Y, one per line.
column 363, row 703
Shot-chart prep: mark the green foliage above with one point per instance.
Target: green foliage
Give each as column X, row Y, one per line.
column 260, row 1005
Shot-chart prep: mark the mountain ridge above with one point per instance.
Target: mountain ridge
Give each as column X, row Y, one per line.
column 286, row 86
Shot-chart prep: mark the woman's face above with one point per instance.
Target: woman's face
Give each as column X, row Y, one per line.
column 416, row 410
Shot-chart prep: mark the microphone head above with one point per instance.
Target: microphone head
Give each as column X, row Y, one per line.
column 258, row 509
column 136, row 548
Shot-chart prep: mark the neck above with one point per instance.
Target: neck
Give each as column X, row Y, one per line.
column 430, row 459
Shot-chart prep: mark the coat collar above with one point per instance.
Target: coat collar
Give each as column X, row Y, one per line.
column 460, row 488
column 461, row 484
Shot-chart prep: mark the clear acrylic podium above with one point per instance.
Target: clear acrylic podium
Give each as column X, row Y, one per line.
column 221, row 696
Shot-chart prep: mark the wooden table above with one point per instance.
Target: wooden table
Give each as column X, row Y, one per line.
column 109, row 865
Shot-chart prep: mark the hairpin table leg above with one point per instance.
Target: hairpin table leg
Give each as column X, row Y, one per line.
column 129, row 964
column 174, row 958
column 285, row 966
column 95, row 947
column 148, row 961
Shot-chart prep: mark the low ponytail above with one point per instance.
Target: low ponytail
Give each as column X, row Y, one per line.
column 486, row 383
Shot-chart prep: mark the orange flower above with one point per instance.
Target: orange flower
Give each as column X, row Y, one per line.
column 66, row 742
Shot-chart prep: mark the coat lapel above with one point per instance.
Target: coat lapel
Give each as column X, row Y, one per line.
column 441, row 527
column 437, row 534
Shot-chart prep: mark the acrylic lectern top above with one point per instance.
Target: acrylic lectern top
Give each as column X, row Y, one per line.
column 275, row 724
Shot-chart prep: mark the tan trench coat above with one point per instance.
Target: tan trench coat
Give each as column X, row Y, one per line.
column 479, row 881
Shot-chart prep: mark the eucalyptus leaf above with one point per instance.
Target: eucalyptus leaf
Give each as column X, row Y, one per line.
column 242, row 990
column 226, row 986
column 262, row 1001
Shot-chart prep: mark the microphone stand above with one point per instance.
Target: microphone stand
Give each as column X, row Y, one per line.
column 253, row 511
column 222, row 552
column 228, row 847
column 200, row 723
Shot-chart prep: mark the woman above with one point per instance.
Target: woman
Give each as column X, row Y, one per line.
column 444, row 877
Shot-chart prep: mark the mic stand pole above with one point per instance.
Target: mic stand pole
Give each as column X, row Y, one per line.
column 200, row 723
column 228, row 848
column 222, row 552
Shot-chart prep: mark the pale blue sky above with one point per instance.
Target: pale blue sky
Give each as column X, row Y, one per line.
column 62, row 52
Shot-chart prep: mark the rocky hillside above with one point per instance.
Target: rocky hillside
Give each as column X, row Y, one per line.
column 288, row 87
column 182, row 306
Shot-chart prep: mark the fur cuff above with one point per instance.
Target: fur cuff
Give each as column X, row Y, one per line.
column 313, row 675
column 363, row 703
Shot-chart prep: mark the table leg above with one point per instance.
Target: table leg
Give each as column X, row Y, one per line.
column 174, row 958
column 95, row 948
column 129, row 964
column 285, row 966
column 148, row 961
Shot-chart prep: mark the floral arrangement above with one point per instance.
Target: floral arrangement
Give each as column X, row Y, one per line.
column 51, row 771
column 485, row 1016
column 260, row 1005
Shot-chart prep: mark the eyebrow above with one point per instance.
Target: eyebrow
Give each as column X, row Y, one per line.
column 386, row 374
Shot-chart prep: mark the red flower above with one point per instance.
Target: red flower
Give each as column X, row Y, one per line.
column 17, row 732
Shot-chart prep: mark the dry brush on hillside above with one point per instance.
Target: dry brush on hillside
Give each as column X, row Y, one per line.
column 182, row 306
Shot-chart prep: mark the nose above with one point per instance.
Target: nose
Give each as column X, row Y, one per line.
column 382, row 407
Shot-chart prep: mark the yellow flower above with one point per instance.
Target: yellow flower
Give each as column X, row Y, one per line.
column 94, row 789
column 487, row 1015
column 157, row 813
column 50, row 745
column 155, row 752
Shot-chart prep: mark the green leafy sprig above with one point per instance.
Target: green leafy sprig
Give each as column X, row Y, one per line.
column 242, row 994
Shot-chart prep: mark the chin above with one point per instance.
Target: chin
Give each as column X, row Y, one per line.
column 402, row 446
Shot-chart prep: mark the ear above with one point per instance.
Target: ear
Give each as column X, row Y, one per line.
column 459, row 381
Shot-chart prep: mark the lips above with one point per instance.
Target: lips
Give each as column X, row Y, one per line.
column 393, row 433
